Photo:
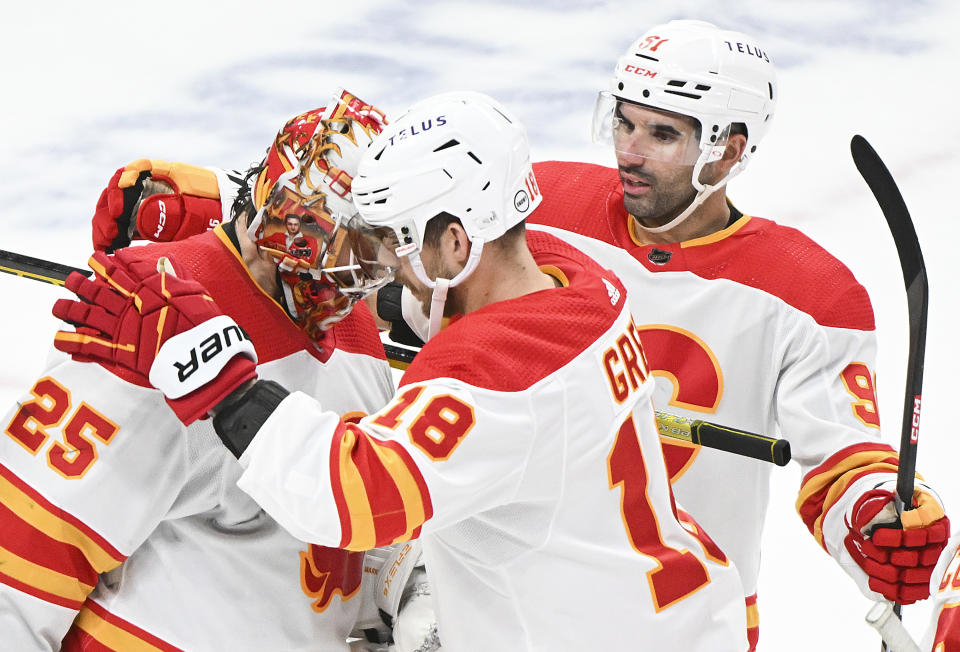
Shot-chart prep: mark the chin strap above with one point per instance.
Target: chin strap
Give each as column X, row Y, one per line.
column 441, row 285
column 437, row 300
column 699, row 199
column 703, row 191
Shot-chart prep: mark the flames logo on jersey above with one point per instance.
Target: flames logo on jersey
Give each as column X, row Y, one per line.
column 325, row 572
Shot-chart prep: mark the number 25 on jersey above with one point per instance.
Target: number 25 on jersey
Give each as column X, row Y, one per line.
column 51, row 405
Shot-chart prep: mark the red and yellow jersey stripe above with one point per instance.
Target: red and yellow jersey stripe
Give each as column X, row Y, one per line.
column 46, row 552
column 381, row 495
column 753, row 622
column 98, row 630
column 825, row 484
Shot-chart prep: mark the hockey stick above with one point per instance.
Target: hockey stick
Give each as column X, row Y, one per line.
column 725, row 438
column 37, row 268
column 695, row 431
column 895, row 636
column 884, row 188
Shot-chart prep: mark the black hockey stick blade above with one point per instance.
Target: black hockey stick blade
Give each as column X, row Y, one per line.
column 37, row 268
column 894, row 209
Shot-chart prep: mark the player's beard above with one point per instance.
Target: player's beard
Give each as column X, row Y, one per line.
column 669, row 192
column 424, row 294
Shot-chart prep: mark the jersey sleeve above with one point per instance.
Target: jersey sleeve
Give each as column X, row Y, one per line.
column 432, row 457
column 89, row 464
column 827, row 408
column 943, row 631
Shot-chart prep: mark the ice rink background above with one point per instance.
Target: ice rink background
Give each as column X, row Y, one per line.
column 90, row 86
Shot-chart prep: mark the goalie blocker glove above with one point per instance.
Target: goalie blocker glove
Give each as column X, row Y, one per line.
column 155, row 327
column 156, row 200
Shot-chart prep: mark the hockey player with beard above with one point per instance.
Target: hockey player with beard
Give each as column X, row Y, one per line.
column 525, row 457
column 120, row 528
column 742, row 319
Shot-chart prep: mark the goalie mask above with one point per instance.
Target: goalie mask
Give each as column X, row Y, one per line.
column 304, row 203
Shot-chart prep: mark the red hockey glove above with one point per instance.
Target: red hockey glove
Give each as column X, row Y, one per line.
column 172, row 201
column 897, row 555
column 159, row 326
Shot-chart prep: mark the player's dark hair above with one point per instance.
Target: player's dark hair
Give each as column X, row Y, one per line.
column 438, row 223
column 243, row 202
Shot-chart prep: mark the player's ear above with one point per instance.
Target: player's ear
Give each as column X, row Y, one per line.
column 736, row 147
column 455, row 243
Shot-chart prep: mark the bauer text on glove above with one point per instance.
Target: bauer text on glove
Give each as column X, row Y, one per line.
column 144, row 319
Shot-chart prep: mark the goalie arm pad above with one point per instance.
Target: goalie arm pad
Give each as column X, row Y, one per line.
column 403, row 599
column 397, row 601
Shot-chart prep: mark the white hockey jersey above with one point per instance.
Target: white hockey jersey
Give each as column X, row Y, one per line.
column 943, row 634
column 124, row 530
column 755, row 327
column 521, row 447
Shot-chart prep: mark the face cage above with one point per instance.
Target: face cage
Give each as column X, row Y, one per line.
column 327, row 249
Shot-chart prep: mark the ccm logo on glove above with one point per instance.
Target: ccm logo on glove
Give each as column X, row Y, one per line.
column 194, row 365
column 161, row 219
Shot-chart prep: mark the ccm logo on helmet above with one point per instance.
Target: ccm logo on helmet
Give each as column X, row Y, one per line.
column 425, row 125
column 637, row 70
column 209, row 349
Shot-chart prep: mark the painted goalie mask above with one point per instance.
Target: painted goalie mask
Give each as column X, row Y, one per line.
column 304, row 206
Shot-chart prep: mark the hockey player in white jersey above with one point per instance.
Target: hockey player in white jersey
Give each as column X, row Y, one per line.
column 521, row 447
column 122, row 529
column 743, row 320
column 943, row 633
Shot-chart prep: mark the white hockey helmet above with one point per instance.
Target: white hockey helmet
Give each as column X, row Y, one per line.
column 460, row 153
column 693, row 68
column 718, row 77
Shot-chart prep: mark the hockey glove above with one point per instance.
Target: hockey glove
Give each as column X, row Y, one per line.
column 155, row 200
column 898, row 554
column 158, row 326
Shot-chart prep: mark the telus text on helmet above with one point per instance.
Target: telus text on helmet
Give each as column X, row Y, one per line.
column 425, row 125
column 746, row 49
